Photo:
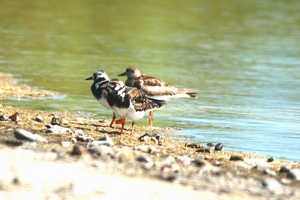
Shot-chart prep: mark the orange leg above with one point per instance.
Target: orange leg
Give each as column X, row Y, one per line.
column 121, row 121
column 132, row 128
column 113, row 120
column 151, row 117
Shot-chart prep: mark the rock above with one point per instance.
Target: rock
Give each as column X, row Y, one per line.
column 77, row 150
column 143, row 158
column 100, row 150
column 83, row 138
column 204, row 150
column 22, row 134
column 210, row 144
column 106, row 141
column 39, row 118
column 285, row 181
column 272, row 185
column 269, row 172
column 55, row 129
column 73, row 140
column 4, row 118
column 56, row 121
column 194, row 145
column 284, row 169
column 199, row 163
column 156, row 138
column 146, row 148
column 235, row 158
column 271, row 159
column 294, row 174
column 219, row 147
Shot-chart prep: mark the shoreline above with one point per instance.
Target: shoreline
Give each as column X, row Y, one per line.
column 160, row 166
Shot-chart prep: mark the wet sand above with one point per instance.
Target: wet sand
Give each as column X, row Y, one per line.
column 73, row 164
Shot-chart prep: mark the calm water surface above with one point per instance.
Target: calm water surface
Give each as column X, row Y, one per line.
column 242, row 56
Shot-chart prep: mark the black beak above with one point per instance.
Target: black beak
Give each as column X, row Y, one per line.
column 89, row 78
column 123, row 74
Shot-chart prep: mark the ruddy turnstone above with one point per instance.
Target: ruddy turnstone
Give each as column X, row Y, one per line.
column 100, row 80
column 129, row 102
column 155, row 88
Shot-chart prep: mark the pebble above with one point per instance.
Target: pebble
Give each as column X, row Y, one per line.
column 235, row 158
column 39, row 118
column 194, row 145
column 294, row 174
column 219, row 147
column 4, row 118
column 272, row 185
column 56, row 121
column 100, row 150
column 205, row 150
column 56, row 129
column 156, row 138
column 106, row 141
column 210, row 144
column 22, row 134
column 284, row 169
column 143, row 158
column 77, row 150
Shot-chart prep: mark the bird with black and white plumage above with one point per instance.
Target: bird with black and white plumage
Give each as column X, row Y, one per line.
column 101, row 80
column 129, row 102
column 155, row 88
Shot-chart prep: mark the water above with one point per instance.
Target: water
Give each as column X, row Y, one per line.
column 241, row 56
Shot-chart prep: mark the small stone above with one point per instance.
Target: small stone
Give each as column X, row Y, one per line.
column 73, row 140
column 144, row 138
column 271, row 159
column 269, row 172
column 236, row 158
column 194, row 145
column 204, row 150
column 294, row 174
column 78, row 132
column 55, row 129
column 100, row 150
column 219, row 147
column 153, row 139
column 210, row 144
column 22, row 134
column 284, row 169
column 106, row 141
column 4, row 118
column 56, row 121
column 199, row 163
column 272, row 185
column 143, row 158
column 77, row 150
column 285, row 181
column 39, row 118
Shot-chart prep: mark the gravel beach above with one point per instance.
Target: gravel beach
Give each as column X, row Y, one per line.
column 63, row 155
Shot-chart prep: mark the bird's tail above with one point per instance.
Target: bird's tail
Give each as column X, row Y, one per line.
column 157, row 103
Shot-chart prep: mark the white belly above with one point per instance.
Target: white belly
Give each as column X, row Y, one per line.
column 129, row 113
column 104, row 103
